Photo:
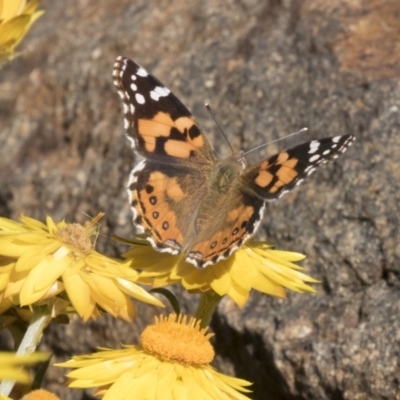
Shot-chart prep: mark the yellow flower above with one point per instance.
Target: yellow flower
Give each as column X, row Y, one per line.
column 254, row 266
column 16, row 18
column 11, row 365
column 171, row 364
column 40, row 261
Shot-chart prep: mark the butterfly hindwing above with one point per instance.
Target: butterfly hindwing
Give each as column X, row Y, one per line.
column 233, row 224
column 164, row 201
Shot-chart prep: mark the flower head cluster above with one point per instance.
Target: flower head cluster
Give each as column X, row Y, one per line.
column 171, row 363
column 254, row 266
column 39, row 262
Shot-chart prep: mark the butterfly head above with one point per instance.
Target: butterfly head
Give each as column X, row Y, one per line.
column 240, row 158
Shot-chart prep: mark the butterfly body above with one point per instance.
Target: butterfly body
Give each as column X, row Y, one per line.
column 182, row 195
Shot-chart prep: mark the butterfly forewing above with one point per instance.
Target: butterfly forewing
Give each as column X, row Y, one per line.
column 272, row 178
column 158, row 123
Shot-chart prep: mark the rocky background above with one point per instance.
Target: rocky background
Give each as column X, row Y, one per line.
column 268, row 68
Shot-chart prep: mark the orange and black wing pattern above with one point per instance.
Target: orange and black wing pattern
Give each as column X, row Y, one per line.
column 272, row 178
column 157, row 123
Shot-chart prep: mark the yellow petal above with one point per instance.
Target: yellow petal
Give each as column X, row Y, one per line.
column 267, row 286
column 138, row 292
column 15, row 374
column 221, row 282
column 30, row 7
column 34, row 254
column 33, row 288
column 279, row 255
column 238, row 294
column 12, row 32
column 11, row 8
column 10, row 225
column 79, row 293
column 10, row 249
column 5, row 271
column 33, row 224
column 106, row 293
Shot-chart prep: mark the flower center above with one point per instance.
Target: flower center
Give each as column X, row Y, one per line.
column 77, row 236
column 176, row 339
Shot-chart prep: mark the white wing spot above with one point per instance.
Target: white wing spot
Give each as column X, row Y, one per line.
column 133, row 144
column 314, row 158
column 139, row 228
column 141, row 72
column 326, row 152
column 139, row 98
column 133, row 87
column 155, row 96
column 132, row 107
column 126, row 123
column 159, row 92
column 336, row 139
column 133, row 77
column 310, row 171
column 314, row 145
column 162, row 91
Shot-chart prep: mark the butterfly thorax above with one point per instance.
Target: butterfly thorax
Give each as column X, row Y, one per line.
column 224, row 176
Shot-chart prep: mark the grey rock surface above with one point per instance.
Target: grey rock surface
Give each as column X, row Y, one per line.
column 268, row 68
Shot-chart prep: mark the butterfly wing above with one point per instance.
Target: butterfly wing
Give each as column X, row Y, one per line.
column 272, row 178
column 166, row 188
column 164, row 201
column 234, row 221
column 240, row 211
column 157, row 123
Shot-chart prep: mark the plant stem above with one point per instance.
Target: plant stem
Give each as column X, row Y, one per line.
column 208, row 302
column 40, row 318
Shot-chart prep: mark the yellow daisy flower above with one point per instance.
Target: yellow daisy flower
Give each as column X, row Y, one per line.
column 16, row 18
column 254, row 266
column 172, row 363
column 11, row 365
column 41, row 261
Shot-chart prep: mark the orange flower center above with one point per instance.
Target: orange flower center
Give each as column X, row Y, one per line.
column 177, row 339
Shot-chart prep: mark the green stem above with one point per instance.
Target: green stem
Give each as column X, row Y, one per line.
column 40, row 319
column 208, row 302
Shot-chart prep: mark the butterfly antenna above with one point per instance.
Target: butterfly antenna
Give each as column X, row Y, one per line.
column 276, row 140
column 223, row 134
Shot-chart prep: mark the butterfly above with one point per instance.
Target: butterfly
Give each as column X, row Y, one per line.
column 183, row 196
